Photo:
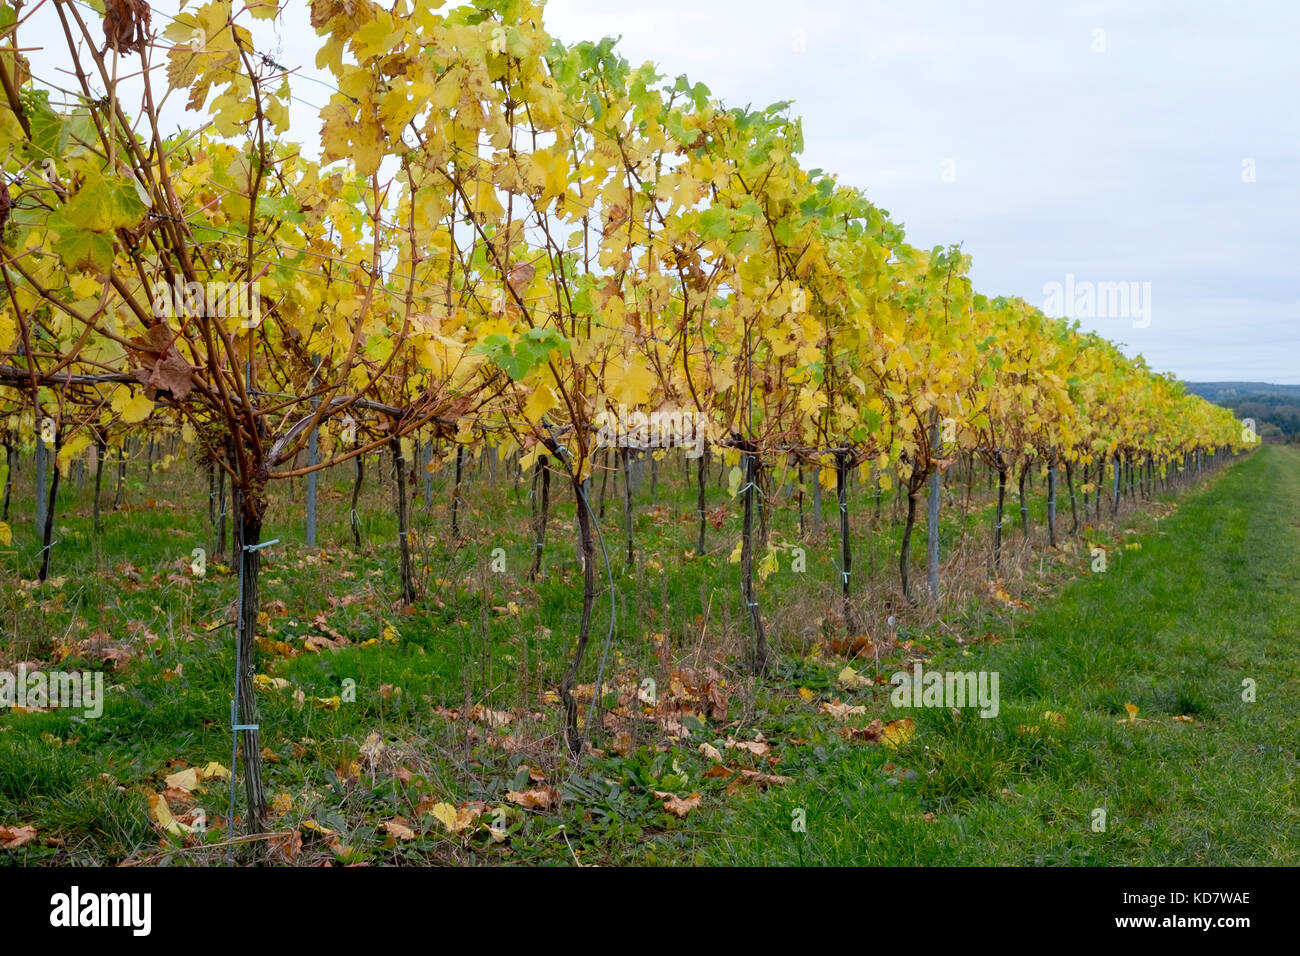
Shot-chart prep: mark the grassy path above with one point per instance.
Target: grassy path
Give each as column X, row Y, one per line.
column 1175, row 628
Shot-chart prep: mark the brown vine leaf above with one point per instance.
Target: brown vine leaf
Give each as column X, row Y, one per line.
column 538, row 798
column 617, row 215
column 161, row 366
column 677, row 805
column 172, row 374
column 841, row 711
column 869, row 733
column 760, row 780
column 521, row 277
column 398, row 829
column 125, row 24
column 288, row 845
column 13, row 837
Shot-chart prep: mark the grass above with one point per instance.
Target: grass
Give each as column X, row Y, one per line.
column 1208, row 603
column 454, row 698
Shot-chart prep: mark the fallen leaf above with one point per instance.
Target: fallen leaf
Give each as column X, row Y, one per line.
column 677, row 805
column 162, row 815
column 898, row 732
column 842, row 711
column 493, row 718
column 758, row 748
column 869, row 733
column 183, row 779
column 318, row 829
column 445, row 814
column 453, row 820
column 537, row 798
column 11, row 838
column 850, row 679
column 398, row 829
column 763, row 780
column 289, row 844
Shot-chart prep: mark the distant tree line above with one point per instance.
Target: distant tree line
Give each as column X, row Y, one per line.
column 1275, row 408
column 1281, row 413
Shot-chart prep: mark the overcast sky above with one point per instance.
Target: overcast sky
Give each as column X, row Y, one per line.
column 1113, row 156
column 1143, row 142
